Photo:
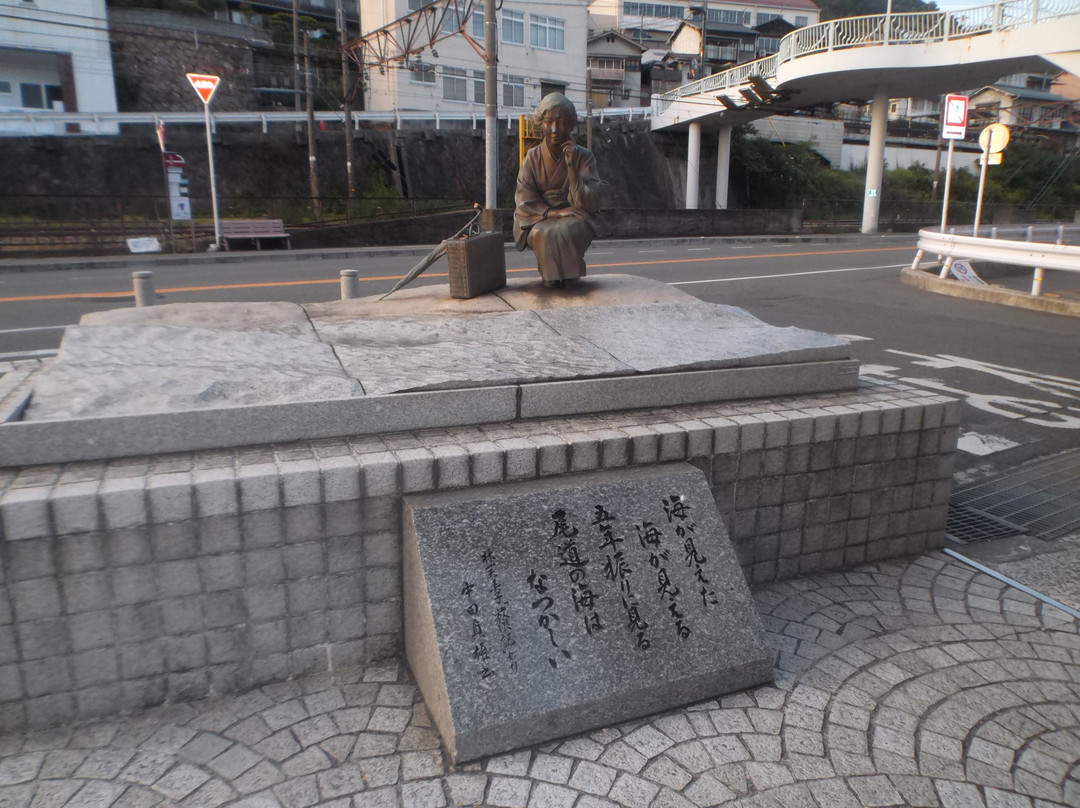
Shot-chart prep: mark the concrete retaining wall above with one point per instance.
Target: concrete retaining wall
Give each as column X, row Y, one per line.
column 132, row 582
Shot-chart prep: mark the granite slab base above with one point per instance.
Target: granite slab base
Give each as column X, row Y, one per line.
column 544, row 609
column 200, row 376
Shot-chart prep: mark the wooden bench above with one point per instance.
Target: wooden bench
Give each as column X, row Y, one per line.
column 254, row 230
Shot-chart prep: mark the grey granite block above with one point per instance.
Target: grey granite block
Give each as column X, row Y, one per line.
column 707, row 336
column 35, row 442
column 688, row 387
column 515, row 633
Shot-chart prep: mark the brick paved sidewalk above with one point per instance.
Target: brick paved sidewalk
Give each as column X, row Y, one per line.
column 916, row 682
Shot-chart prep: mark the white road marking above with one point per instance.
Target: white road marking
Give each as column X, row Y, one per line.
column 854, row 337
column 1054, row 385
column 982, row 445
column 35, row 328
column 649, row 251
column 697, row 249
column 785, row 275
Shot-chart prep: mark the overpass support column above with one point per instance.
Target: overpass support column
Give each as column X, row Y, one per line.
column 693, row 165
column 875, row 159
column 723, row 163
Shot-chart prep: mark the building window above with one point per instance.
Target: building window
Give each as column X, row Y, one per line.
column 653, row 10
column 416, row 5
column 455, row 85
column 513, row 27
column 729, row 16
column 478, row 95
column 422, row 74
column 477, row 22
column 802, row 22
column 33, row 97
column 763, row 17
column 5, row 88
column 547, row 33
column 768, row 44
column 514, row 91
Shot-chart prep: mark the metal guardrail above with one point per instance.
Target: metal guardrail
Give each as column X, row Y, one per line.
column 106, row 122
column 881, row 29
column 1040, row 255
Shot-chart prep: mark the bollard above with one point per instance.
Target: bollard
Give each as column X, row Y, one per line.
column 350, row 284
column 946, row 267
column 144, row 288
column 993, row 232
column 1030, row 233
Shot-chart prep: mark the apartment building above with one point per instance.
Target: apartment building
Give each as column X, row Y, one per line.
column 542, row 47
column 54, row 56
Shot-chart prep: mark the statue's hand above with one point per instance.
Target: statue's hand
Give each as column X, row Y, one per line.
column 568, row 153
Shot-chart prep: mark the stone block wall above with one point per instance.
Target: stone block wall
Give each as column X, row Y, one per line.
column 133, row 582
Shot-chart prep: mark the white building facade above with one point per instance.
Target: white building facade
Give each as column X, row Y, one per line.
column 54, row 55
column 542, row 49
column 630, row 15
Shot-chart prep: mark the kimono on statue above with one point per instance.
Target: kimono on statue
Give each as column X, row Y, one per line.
column 543, row 185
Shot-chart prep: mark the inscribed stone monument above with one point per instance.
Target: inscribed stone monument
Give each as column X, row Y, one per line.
column 542, row 609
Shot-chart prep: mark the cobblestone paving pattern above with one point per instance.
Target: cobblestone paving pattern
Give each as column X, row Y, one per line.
column 910, row 683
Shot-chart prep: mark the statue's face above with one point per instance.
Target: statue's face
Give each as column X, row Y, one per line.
column 555, row 127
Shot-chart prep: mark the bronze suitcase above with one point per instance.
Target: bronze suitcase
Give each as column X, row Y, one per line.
column 477, row 264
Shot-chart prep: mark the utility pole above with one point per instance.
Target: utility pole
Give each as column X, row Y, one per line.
column 704, row 35
column 588, row 108
column 350, row 189
column 316, row 211
column 296, row 54
column 491, row 106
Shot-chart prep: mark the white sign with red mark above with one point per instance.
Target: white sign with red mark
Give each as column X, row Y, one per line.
column 954, row 118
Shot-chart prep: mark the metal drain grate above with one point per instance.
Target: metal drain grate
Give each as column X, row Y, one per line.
column 1040, row 499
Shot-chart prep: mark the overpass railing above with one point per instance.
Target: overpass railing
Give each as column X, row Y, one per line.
column 878, row 30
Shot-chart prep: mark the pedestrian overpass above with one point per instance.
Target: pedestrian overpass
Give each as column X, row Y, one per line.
column 878, row 57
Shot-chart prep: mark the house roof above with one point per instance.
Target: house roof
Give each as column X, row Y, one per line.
column 1022, row 92
column 611, row 32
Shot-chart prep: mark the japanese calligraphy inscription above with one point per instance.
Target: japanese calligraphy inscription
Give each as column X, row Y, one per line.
column 542, row 609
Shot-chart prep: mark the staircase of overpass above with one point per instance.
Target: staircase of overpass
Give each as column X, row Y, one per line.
column 921, row 54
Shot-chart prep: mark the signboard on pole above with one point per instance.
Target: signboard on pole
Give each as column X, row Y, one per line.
column 204, row 85
column 994, row 138
column 954, row 117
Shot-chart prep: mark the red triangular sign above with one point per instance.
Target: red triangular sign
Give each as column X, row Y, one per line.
column 204, row 85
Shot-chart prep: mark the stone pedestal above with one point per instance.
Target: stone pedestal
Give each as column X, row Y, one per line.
column 543, row 609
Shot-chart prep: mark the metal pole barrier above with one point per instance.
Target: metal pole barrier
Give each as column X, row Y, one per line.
column 350, row 284
column 143, row 282
column 946, row 267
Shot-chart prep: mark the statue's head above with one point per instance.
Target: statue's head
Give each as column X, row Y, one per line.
column 555, row 103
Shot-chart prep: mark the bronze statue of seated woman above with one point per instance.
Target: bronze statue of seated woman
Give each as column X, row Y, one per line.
column 558, row 195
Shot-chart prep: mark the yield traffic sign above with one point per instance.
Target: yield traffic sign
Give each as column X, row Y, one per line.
column 204, row 85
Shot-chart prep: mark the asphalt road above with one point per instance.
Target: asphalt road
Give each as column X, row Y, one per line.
column 1017, row 371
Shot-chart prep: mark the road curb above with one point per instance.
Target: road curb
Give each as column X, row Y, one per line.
column 987, row 294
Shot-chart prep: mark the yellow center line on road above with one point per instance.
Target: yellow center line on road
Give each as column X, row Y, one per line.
column 267, row 284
